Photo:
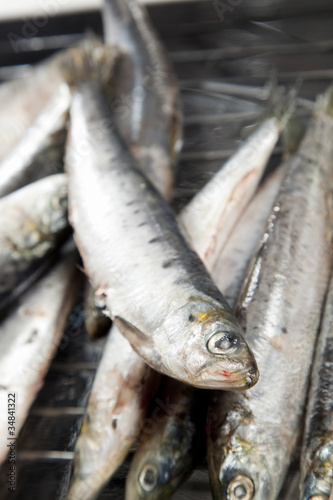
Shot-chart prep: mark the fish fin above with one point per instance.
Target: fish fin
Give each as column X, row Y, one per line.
column 325, row 101
column 134, row 336
column 281, row 104
column 89, row 61
column 291, row 137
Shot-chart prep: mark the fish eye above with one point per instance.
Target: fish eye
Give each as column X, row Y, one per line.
column 148, row 477
column 240, row 488
column 223, row 343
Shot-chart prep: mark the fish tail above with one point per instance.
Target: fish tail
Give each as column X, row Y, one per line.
column 291, row 137
column 325, row 101
column 91, row 61
column 281, row 103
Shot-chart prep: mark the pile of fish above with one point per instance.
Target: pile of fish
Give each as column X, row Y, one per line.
column 227, row 296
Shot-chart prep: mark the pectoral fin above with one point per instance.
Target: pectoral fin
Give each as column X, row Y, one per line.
column 136, row 338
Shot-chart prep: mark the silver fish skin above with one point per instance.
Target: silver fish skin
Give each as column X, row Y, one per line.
column 230, row 270
column 41, row 150
column 159, row 296
column 169, row 449
column 33, row 223
column 118, row 403
column 317, row 453
column 252, row 436
column 23, row 100
column 29, row 338
column 145, row 98
column 216, row 208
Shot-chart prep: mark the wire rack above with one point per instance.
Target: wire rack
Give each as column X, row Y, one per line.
column 224, row 54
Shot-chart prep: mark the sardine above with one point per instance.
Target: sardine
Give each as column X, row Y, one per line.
column 28, row 341
column 161, row 299
column 223, row 199
column 317, row 452
column 41, row 150
column 152, row 130
column 251, row 436
column 169, row 448
column 118, row 403
column 145, row 98
column 33, row 223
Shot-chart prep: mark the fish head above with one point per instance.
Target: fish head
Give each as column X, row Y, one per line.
column 245, row 468
column 160, row 464
column 240, row 478
column 211, row 351
column 200, row 344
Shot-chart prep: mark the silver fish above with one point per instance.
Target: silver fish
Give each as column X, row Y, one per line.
column 162, row 299
column 118, row 403
column 29, row 338
column 317, row 453
column 154, row 142
column 33, row 223
column 145, row 98
column 221, row 202
column 40, row 151
column 251, row 436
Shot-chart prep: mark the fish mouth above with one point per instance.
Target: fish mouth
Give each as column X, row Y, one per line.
column 233, row 365
column 236, row 375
